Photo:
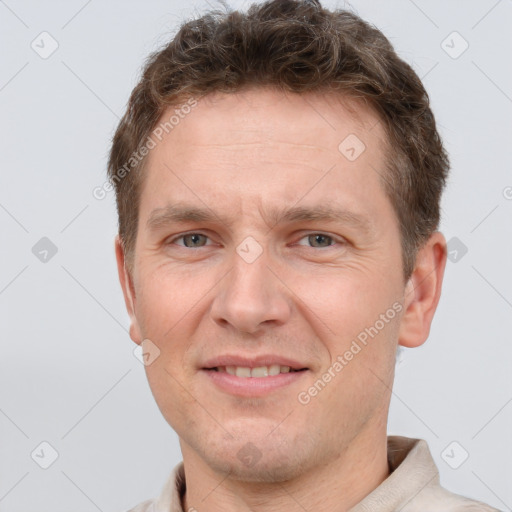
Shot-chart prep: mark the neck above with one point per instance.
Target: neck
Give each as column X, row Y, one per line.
column 337, row 485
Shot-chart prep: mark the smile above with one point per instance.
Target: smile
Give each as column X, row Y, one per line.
column 258, row 381
column 259, row 371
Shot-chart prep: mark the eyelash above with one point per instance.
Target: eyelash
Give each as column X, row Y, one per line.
column 334, row 239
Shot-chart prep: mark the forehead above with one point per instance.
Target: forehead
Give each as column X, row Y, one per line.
column 259, row 114
column 265, row 144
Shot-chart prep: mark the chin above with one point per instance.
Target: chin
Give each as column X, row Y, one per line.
column 264, row 459
column 266, row 470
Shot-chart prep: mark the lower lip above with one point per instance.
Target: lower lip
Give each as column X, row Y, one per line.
column 252, row 386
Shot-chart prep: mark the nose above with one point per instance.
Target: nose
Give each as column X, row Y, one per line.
column 250, row 297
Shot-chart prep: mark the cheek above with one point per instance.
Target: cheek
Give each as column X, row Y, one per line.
column 356, row 316
column 166, row 301
column 172, row 398
column 340, row 303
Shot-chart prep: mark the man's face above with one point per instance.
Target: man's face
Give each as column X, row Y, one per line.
column 250, row 282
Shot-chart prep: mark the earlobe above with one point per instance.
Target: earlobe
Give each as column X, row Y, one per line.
column 125, row 280
column 422, row 292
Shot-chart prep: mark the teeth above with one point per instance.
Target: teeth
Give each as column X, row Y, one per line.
column 242, row 372
column 275, row 369
column 259, row 371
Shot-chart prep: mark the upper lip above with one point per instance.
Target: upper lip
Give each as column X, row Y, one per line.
column 252, row 361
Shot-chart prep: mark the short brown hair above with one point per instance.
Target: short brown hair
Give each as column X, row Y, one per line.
column 296, row 46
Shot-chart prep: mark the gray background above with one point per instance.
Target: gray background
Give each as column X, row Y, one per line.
column 68, row 375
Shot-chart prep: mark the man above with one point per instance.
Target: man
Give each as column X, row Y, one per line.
column 278, row 177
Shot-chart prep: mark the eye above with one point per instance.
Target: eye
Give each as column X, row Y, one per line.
column 197, row 240
column 191, row 240
column 318, row 240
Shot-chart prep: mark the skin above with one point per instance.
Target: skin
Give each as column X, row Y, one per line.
column 240, row 156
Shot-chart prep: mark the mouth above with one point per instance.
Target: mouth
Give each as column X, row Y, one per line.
column 257, row 371
column 253, row 376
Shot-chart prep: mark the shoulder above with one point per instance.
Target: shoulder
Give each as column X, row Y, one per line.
column 145, row 506
column 415, row 479
column 438, row 499
column 170, row 497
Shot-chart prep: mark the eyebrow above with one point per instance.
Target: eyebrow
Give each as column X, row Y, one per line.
column 182, row 213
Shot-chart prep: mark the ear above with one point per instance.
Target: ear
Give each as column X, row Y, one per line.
column 423, row 291
column 128, row 291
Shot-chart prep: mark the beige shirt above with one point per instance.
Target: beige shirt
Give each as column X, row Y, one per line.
column 412, row 486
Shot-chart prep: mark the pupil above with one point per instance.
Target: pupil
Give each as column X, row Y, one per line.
column 319, row 239
column 194, row 238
